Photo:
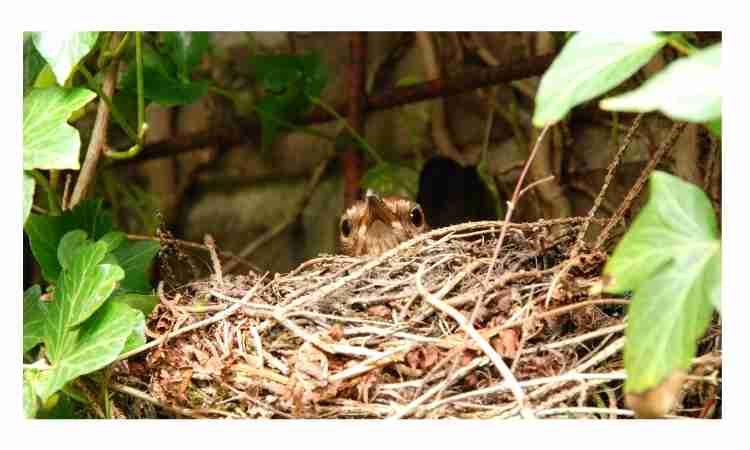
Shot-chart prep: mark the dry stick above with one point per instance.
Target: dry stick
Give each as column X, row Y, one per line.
column 608, row 351
column 665, row 147
column 211, row 245
column 194, row 413
column 512, row 203
column 99, row 133
column 137, row 237
column 453, row 354
column 208, row 321
column 385, row 358
column 369, row 264
column 339, row 349
column 278, row 229
column 607, row 180
column 504, row 386
column 483, row 344
column 451, row 378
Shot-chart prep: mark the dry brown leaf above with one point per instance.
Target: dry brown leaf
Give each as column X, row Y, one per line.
column 381, row 311
column 659, row 400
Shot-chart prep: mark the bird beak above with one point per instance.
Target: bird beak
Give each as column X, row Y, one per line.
column 377, row 209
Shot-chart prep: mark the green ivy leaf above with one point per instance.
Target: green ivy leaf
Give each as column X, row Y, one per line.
column 714, row 126
column 589, row 65
column 391, row 179
column 69, row 246
column 137, row 336
column 187, row 49
column 290, row 82
column 48, row 141
column 81, row 290
column 136, row 259
column 141, row 302
column 34, row 312
column 29, row 186
column 45, row 232
column 168, row 91
column 688, row 89
column 63, row 50
column 114, row 239
column 671, row 259
column 33, row 63
column 161, row 83
column 91, row 346
column 31, row 401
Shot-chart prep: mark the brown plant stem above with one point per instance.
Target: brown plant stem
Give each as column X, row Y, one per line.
column 350, row 158
column 514, row 200
column 229, row 134
column 98, row 135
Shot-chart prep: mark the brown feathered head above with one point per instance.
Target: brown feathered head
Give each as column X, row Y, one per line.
column 375, row 225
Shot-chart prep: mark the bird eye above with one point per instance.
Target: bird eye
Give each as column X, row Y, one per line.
column 415, row 215
column 346, row 227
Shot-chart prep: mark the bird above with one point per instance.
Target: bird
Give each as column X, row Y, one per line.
column 375, row 225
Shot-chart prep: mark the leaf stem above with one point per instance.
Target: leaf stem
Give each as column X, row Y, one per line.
column 54, row 204
column 360, row 140
column 109, row 56
column 308, row 130
column 142, row 126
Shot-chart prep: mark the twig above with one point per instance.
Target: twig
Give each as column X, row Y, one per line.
column 194, row 413
column 374, row 362
column 483, row 344
column 209, row 241
column 208, row 321
column 513, row 202
column 137, row 237
column 450, row 379
column 227, row 134
column 665, row 147
column 504, row 386
column 607, row 180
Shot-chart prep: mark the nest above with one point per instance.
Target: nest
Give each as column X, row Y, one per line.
column 392, row 336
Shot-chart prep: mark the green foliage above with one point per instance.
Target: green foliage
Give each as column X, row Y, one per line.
column 714, row 126
column 81, row 329
column 589, row 65
column 30, row 398
column 688, row 89
column 290, row 82
column 63, row 50
column 48, row 141
column 33, row 63
column 45, row 232
column 85, row 284
column 186, row 50
column 166, row 75
column 34, row 311
column 671, row 259
column 141, row 302
column 89, row 347
column 136, row 258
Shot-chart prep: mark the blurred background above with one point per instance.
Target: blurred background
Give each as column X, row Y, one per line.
column 268, row 177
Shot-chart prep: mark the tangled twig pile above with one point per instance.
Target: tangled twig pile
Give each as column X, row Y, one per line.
column 343, row 337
